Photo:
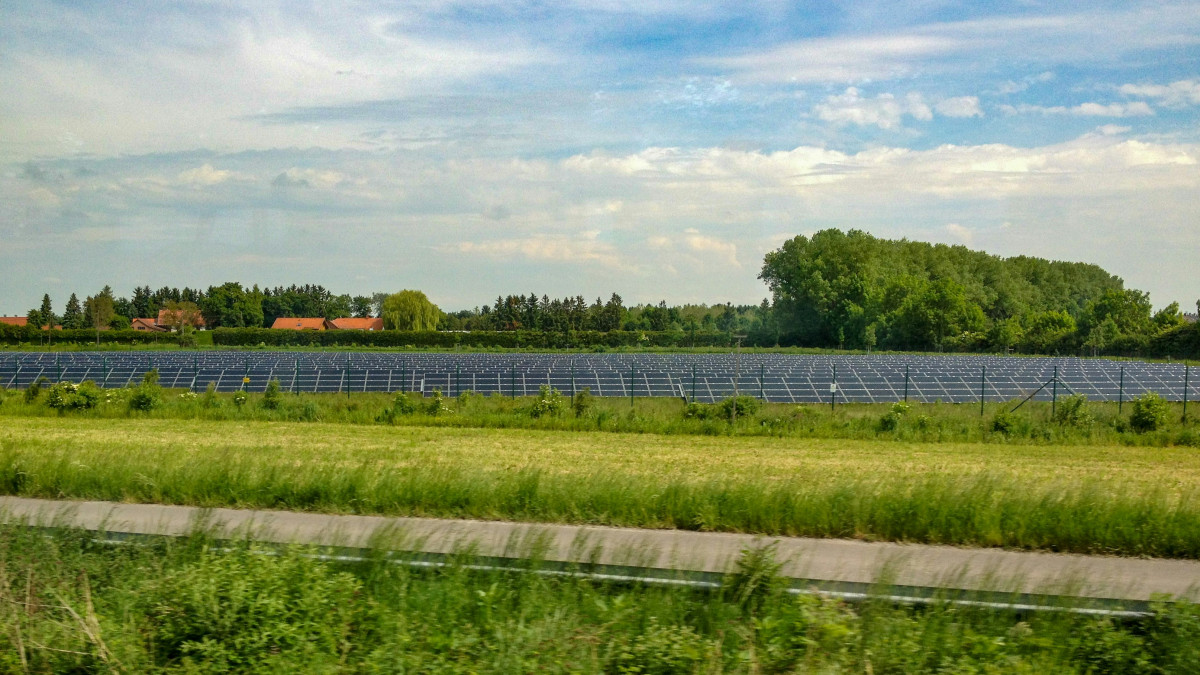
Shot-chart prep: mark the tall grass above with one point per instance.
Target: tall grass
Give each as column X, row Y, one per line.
column 70, row 605
column 1101, row 423
column 1129, row 501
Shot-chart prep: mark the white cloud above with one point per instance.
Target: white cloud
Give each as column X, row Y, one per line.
column 961, row 106
column 585, row 248
column 203, row 176
column 1135, row 109
column 1111, row 130
column 1175, row 95
column 960, row 234
column 1081, row 36
column 884, row 111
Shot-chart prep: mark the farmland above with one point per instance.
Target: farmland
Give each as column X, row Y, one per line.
column 1082, row 498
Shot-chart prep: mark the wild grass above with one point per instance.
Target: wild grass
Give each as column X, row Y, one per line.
column 1034, row 423
column 1086, row 499
column 70, row 604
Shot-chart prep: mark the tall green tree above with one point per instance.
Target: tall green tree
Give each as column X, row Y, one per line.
column 410, row 310
column 100, row 310
column 47, row 312
column 72, row 317
column 232, row 306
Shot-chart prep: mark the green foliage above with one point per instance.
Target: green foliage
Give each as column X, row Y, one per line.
column 920, row 296
column 410, row 311
column 145, row 397
column 150, row 377
column 436, row 405
column 548, row 403
column 755, row 578
column 746, row 406
column 518, row 339
column 239, row 399
column 34, row 390
column 1150, row 413
column 250, row 609
column 1073, row 411
column 1005, row 422
column 210, row 399
column 65, row 396
column 272, row 397
column 583, row 402
column 230, row 305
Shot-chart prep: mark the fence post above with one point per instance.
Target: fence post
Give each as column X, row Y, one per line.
column 906, row 384
column 1185, row 390
column 982, row 389
column 1121, row 392
column 762, row 370
column 693, row 383
column 632, row 374
column 512, row 382
column 1054, row 394
column 833, row 390
column 458, row 379
column 572, row 379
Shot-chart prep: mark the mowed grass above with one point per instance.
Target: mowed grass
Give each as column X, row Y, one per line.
column 1089, row 499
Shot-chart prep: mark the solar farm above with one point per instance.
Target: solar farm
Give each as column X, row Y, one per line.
column 781, row 378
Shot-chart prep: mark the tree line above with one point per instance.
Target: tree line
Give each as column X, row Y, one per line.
column 835, row 289
column 856, row 291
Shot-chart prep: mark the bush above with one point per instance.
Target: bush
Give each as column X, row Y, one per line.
column 239, row 398
column 70, row 396
column 747, row 406
column 700, row 411
column 145, row 397
column 210, row 399
column 1150, row 413
column 1005, row 423
column 437, row 404
column 272, row 396
column 151, row 377
column 1073, row 412
column 582, row 402
column 549, row 403
column 34, row 390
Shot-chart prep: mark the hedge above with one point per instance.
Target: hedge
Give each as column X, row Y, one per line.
column 13, row 335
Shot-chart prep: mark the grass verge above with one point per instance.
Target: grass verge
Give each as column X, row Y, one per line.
column 68, row 604
column 1085, row 499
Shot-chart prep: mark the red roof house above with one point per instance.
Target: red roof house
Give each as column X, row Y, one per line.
column 147, row 325
column 357, row 324
column 300, row 323
column 14, row 320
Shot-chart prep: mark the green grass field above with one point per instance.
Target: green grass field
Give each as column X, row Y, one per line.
column 1107, row 499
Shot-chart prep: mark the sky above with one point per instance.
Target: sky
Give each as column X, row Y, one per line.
column 653, row 148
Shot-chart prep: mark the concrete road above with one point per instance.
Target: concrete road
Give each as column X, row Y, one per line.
column 819, row 560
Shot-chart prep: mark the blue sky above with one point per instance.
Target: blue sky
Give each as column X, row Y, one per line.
column 657, row 149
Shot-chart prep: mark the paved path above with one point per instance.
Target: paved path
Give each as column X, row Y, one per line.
column 825, row 560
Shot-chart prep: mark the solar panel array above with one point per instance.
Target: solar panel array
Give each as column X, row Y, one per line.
column 793, row 378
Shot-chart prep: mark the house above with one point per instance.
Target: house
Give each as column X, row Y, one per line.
column 147, row 325
column 1189, row 318
column 301, row 323
column 168, row 319
column 357, row 324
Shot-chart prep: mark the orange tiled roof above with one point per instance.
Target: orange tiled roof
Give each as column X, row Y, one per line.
column 146, row 324
column 358, row 324
column 300, row 323
column 15, row 320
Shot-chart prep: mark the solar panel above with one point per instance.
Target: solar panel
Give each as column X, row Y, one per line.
column 791, row 378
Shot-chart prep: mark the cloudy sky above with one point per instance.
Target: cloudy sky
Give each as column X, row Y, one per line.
column 657, row 148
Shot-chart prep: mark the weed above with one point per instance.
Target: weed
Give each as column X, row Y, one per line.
column 272, row 397
column 1150, row 413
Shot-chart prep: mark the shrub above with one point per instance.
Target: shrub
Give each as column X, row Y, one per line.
column 34, row 390
column 1073, row 412
column 437, row 404
column 1150, row 413
column 70, row 396
column 145, row 397
column 210, row 400
column 747, row 406
column 700, row 411
column 582, row 402
column 890, row 421
column 151, row 377
column 549, row 403
column 272, row 396
column 1005, row 423
column 239, row 398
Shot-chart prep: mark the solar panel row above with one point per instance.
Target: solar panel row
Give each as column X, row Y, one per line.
column 703, row 377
